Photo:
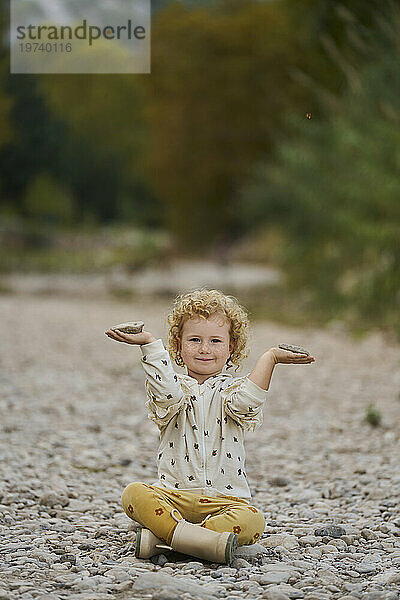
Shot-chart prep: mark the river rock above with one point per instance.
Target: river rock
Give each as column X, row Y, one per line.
column 153, row 582
column 281, row 539
column 251, row 551
column 284, row 588
column 331, row 531
column 52, row 499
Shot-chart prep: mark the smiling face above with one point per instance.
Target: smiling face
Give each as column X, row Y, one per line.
column 205, row 346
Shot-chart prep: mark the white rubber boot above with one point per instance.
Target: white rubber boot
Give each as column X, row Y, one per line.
column 189, row 538
column 148, row 545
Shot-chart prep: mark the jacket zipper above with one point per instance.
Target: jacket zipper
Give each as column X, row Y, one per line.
column 203, row 446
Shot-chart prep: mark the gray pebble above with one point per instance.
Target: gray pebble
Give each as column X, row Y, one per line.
column 240, row 563
column 333, row 531
column 52, row 499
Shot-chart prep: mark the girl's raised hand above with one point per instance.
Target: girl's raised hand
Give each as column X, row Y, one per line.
column 138, row 339
column 287, row 357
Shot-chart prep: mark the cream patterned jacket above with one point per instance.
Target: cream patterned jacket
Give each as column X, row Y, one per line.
column 201, row 426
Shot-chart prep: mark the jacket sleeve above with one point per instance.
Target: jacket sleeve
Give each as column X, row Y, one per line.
column 243, row 401
column 163, row 390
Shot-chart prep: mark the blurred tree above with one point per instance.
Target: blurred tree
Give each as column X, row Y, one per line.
column 46, row 201
column 334, row 190
column 104, row 114
column 78, row 130
column 60, row 142
column 35, row 145
column 332, row 36
column 214, row 104
column 223, row 76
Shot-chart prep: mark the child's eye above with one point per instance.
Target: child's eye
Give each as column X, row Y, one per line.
column 195, row 339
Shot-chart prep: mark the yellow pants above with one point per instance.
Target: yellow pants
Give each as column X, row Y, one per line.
column 151, row 506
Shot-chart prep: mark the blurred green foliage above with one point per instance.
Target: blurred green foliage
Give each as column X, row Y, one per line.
column 333, row 192
column 215, row 103
column 46, row 200
column 224, row 76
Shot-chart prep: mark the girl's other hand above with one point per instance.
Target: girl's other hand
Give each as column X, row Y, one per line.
column 287, row 357
column 138, row 339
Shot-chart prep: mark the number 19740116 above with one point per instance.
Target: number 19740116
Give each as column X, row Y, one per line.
column 49, row 47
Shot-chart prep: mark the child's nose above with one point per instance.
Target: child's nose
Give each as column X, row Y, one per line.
column 204, row 347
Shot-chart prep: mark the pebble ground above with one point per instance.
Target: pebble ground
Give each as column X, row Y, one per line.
column 74, row 433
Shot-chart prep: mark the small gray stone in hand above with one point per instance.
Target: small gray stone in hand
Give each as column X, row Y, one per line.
column 129, row 327
column 292, row 348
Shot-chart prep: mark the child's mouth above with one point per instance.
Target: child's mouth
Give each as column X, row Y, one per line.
column 205, row 359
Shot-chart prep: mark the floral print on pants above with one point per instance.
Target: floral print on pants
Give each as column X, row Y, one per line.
column 151, row 506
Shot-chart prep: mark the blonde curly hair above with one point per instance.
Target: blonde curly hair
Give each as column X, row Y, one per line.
column 205, row 303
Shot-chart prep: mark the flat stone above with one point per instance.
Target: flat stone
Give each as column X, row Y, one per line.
column 79, row 506
column 273, row 567
column 88, row 596
column 250, row 551
column 330, row 531
column 240, row 563
column 308, row 540
column 149, row 583
column 47, row 597
column 290, row 591
column 91, row 583
column 387, row 576
column 328, row 578
column 164, row 594
column 327, row 548
column 353, row 573
column 274, row 577
column 227, row 571
column 286, row 540
column 271, row 594
column 52, row 499
column 195, row 565
column 279, row 481
column 368, row 534
column 119, row 575
column 395, row 578
column 365, row 568
column 313, row 553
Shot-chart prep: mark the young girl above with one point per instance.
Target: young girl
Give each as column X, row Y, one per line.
column 200, row 503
